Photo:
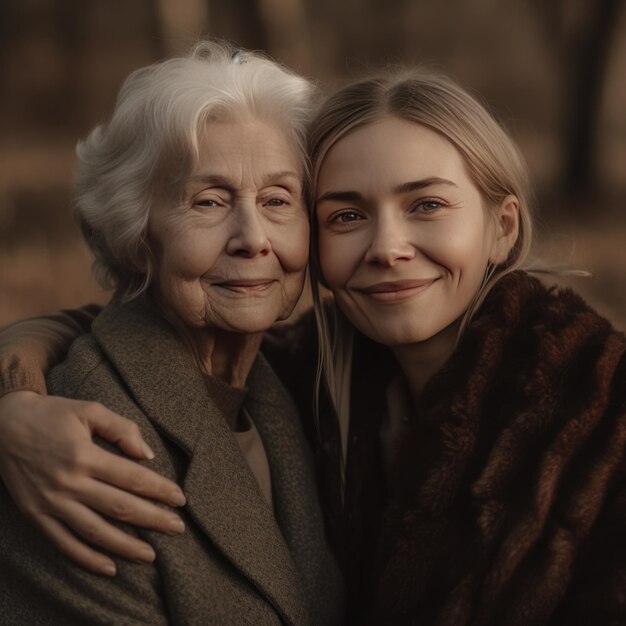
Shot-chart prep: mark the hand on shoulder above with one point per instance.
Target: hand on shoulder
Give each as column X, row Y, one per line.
column 64, row 483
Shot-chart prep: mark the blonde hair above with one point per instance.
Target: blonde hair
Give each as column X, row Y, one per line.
column 149, row 146
column 492, row 159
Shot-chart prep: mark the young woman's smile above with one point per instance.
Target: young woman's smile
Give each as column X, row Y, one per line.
column 395, row 291
column 404, row 238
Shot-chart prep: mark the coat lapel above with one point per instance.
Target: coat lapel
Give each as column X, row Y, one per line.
column 223, row 496
column 294, row 488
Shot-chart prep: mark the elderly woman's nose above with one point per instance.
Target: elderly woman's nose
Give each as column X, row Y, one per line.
column 388, row 243
column 249, row 235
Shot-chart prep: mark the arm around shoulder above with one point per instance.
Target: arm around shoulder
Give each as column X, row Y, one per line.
column 29, row 348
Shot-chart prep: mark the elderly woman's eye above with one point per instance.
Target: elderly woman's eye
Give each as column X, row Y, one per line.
column 277, row 202
column 206, row 202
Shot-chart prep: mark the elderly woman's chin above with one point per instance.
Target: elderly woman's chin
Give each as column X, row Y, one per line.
column 239, row 306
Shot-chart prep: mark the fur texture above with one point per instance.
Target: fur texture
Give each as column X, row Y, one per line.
column 508, row 499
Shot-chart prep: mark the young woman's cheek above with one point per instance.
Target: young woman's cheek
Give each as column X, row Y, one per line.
column 454, row 245
column 338, row 258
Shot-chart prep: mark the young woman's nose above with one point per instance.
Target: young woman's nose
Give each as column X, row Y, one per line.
column 249, row 235
column 389, row 243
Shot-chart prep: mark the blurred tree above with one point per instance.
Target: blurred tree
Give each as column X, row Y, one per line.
column 285, row 25
column 180, row 24
column 581, row 35
column 240, row 21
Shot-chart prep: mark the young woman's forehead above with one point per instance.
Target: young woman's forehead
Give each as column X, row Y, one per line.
column 392, row 152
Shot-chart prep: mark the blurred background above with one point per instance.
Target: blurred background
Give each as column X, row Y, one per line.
column 554, row 72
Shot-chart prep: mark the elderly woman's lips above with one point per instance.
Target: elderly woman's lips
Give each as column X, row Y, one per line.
column 246, row 286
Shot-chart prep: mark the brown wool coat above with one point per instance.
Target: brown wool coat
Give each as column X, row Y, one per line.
column 508, row 505
column 236, row 563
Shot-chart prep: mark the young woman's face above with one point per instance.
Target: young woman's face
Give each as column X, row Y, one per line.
column 404, row 238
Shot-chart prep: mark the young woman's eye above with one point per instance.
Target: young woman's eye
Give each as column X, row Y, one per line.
column 427, row 206
column 344, row 217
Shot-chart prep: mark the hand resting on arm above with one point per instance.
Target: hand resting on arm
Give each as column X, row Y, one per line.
column 61, row 480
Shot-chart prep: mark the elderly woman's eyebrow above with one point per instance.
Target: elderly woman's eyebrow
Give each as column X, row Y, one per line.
column 272, row 178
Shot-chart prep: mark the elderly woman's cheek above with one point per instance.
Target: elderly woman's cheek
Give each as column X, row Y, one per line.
column 184, row 298
column 297, row 261
column 190, row 255
column 290, row 244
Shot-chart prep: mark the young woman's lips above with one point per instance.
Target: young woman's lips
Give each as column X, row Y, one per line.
column 247, row 287
column 396, row 291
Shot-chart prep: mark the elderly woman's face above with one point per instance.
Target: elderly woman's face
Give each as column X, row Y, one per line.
column 232, row 255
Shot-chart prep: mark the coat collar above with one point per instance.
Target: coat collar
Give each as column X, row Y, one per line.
column 222, row 494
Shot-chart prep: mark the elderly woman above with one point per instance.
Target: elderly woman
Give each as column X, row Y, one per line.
column 191, row 199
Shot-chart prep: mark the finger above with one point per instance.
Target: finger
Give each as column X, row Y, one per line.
column 130, row 476
column 74, row 549
column 131, row 509
column 99, row 532
column 116, row 429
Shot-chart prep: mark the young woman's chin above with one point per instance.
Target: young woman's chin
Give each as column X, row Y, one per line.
column 412, row 333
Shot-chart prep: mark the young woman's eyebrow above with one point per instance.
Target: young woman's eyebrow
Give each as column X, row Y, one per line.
column 355, row 196
column 415, row 185
column 340, row 196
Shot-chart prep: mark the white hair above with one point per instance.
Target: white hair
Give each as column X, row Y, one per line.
column 150, row 144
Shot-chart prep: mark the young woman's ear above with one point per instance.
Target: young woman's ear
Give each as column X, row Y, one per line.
column 506, row 227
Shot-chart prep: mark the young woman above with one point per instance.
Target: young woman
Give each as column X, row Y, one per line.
column 470, row 421
column 499, row 418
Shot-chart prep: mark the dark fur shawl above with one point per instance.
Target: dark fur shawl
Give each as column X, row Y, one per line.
column 509, row 498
